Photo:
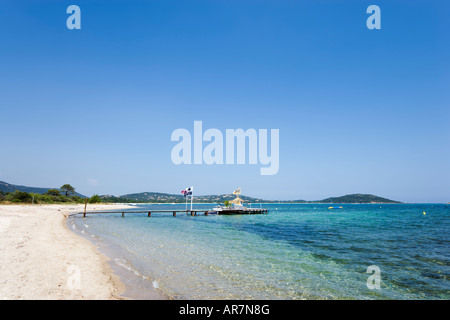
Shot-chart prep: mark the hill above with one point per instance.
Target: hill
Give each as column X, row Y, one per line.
column 152, row 197
column 175, row 198
column 358, row 198
column 8, row 187
column 221, row 198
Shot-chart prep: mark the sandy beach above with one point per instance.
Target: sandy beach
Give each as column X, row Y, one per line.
column 42, row 259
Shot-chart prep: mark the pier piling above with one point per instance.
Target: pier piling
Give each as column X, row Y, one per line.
column 85, row 205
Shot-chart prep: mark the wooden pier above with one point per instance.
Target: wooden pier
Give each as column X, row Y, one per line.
column 174, row 212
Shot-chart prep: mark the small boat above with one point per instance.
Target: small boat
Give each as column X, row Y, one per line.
column 335, row 208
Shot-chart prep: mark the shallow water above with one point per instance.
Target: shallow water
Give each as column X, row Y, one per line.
column 297, row 251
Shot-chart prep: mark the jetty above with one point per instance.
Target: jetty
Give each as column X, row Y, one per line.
column 174, row 212
column 234, row 207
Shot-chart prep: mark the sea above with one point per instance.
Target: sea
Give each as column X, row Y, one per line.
column 295, row 251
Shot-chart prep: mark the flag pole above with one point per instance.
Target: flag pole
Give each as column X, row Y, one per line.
column 192, row 195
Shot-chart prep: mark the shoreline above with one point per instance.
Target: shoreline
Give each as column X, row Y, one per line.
column 42, row 259
column 135, row 285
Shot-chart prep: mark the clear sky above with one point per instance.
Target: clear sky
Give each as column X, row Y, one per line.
column 358, row 110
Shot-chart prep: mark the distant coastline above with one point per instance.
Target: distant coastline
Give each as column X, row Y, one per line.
column 158, row 197
column 154, row 197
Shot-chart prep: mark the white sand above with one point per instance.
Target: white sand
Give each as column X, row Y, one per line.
column 40, row 258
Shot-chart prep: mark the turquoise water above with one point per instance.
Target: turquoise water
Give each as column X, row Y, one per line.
column 297, row 251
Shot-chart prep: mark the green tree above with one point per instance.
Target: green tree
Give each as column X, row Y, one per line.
column 68, row 190
column 95, row 199
column 226, row 203
column 53, row 192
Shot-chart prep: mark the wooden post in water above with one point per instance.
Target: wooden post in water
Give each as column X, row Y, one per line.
column 149, row 214
column 85, row 204
column 123, row 214
column 174, row 213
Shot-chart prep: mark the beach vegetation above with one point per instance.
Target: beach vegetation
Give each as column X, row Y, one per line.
column 19, row 196
column 95, row 199
column 44, row 198
column 53, row 192
column 49, row 197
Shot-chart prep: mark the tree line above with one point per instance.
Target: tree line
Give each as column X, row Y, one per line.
column 66, row 194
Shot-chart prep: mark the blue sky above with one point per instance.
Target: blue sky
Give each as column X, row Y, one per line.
column 359, row 110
